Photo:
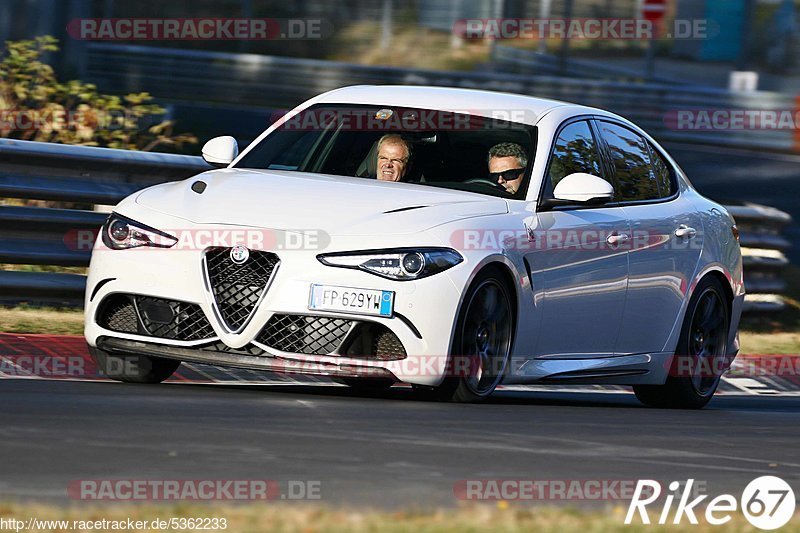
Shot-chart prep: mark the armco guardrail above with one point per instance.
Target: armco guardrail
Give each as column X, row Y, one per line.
column 532, row 63
column 49, row 236
column 283, row 82
column 763, row 245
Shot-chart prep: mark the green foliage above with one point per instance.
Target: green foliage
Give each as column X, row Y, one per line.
column 36, row 106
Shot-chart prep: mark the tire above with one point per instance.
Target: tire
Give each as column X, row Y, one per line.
column 701, row 355
column 133, row 368
column 482, row 340
column 367, row 384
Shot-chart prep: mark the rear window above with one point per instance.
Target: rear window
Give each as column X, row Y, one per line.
column 663, row 173
column 630, row 156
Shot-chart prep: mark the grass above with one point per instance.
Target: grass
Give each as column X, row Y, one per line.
column 770, row 343
column 787, row 320
column 41, row 320
column 45, row 268
column 309, row 518
column 775, row 333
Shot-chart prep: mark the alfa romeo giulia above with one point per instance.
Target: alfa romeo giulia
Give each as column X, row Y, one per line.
column 450, row 239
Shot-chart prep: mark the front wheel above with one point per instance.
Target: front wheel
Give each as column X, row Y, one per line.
column 701, row 356
column 481, row 343
column 133, row 368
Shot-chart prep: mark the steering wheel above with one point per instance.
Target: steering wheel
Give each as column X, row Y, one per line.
column 486, row 181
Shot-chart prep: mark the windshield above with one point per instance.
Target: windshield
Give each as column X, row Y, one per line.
column 427, row 147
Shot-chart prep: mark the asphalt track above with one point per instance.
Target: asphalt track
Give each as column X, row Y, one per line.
column 389, row 450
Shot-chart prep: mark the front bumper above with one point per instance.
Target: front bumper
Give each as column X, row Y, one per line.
column 423, row 319
column 279, row 364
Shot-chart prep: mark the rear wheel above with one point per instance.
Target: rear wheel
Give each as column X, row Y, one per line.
column 482, row 341
column 133, row 368
column 701, row 356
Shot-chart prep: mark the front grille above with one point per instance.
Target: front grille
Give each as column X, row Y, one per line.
column 238, row 288
column 177, row 320
column 313, row 335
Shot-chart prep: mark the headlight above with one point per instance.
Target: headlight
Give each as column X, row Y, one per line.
column 400, row 264
column 121, row 233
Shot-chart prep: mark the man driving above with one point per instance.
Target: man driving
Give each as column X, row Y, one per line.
column 507, row 162
column 394, row 155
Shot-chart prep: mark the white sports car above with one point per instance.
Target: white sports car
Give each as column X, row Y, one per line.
column 450, row 239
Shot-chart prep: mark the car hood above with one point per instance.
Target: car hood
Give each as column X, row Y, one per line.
column 303, row 201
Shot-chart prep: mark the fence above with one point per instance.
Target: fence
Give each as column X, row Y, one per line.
column 84, row 175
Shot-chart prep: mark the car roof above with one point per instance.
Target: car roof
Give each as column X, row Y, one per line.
column 525, row 109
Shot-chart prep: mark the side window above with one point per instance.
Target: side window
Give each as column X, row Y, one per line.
column 575, row 150
column 631, row 159
column 663, row 173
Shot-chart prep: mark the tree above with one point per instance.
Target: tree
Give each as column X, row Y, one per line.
column 35, row 106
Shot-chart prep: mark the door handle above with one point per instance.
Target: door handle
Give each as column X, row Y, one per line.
column 685, row 231
column 618, row 238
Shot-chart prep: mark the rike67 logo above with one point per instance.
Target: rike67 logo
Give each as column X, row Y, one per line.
column 767, row 502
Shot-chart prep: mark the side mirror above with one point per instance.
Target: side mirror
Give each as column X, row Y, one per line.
column 584, row 189
column 220, row 151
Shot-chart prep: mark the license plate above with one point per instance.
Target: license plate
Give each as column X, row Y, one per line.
column 351, row 300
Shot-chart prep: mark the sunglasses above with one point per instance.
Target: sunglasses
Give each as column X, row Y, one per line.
column 507, row 175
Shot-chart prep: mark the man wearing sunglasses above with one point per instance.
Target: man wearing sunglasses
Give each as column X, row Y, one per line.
column 507, row 162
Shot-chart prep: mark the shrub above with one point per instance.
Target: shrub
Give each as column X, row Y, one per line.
column 36, row 106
